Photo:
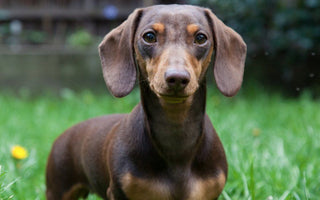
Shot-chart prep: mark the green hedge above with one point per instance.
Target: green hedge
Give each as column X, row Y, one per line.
column 283, row 38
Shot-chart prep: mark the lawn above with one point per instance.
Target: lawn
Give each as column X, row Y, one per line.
column 272, row 143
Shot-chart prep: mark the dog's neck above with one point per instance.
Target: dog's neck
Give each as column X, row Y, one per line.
column 175, row 129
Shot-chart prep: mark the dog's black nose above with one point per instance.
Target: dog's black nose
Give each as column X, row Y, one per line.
column 177, row 79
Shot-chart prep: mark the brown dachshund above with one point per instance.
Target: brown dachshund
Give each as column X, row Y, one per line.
column 166, row 148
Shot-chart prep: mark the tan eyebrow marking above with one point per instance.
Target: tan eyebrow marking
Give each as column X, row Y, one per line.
column 192, row 28
column 159, row 27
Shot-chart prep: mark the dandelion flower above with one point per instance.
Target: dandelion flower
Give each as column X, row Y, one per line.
column 256, row 132
column 18, row 152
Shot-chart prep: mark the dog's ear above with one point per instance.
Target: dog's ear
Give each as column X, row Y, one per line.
column 117, row 56
column 230, row 55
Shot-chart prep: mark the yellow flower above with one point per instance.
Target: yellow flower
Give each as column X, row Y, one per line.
column 256, row 132
column 18, row 152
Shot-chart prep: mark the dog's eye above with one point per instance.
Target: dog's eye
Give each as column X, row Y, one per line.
column 200, row 38
column 149, row 37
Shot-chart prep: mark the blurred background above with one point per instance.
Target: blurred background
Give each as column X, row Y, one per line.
column 52, row 44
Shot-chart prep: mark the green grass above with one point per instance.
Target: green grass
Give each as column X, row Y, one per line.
column 272, row 143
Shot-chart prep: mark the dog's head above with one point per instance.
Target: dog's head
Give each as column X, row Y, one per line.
column 172, row 46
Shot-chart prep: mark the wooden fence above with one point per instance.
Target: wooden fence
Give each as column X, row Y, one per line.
column 58, row 18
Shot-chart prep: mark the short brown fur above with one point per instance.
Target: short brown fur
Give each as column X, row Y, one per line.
column 159, row 27
column 166, row 148
column 192, row 29
column 138, row 188
column 209, row 188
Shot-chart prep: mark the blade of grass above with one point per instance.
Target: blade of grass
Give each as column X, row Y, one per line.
column 306, row 194
column 252, row 181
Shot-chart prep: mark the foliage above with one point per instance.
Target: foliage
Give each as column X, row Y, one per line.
column 272, row 144
column 80, row 38
column 4, row 30
column 34, row 36
column 24, row 37
column 282, row 36
column 272, row 26
column 4, row 194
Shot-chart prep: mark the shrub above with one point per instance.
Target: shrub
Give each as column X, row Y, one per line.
column 283, row 38
column 80, row 38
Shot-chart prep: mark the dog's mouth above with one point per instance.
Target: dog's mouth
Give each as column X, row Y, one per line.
column 173, row 99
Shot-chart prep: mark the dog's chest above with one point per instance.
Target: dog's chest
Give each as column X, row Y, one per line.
column 192, row 188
